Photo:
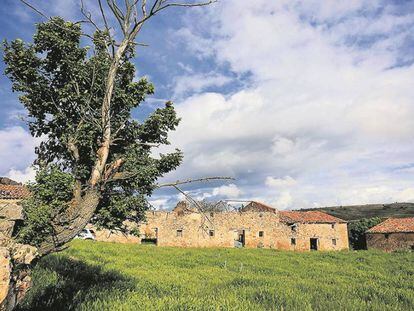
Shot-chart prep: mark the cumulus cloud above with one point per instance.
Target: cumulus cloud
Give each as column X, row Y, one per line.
column 329, row 101
column 227, row 191
column 23, row 176
column 286, row 181
column 197, row 83
column 160, row 203
column 16, row 151
column 283, row 201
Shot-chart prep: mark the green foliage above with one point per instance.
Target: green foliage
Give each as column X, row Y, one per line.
column 106, row 276
column 51, row 194
column 356, row 231
column 62, row 85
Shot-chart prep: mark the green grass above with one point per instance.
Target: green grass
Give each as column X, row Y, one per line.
column 104, row 276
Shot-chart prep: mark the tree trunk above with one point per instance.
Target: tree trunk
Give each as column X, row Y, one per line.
column 14, row 283
column 65, row 233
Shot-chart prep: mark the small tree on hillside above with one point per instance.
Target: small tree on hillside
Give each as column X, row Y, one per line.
column 95, row 160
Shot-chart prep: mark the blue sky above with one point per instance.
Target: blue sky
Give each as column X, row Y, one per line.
column 305, row 103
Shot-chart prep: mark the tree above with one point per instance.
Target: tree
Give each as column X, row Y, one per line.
column 357, row 231
column 79, row 98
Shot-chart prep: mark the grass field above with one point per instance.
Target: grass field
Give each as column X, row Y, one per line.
column 104, row 276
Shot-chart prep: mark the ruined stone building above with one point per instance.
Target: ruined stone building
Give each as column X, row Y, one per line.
column 10, row 210
column 391, row 235
column 10, row 215
column 256, row 225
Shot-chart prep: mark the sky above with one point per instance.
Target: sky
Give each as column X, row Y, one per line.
column 304, row 103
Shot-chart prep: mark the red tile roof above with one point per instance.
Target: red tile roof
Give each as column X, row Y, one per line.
column 393, row 225
column 13, row 192
column 308, row 217
column 258, row 207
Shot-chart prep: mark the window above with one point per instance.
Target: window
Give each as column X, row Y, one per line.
column 387, row 235
column 293, row 227
column 292, row 241
column 179, row 233
column 334, row 242
column 211, row 233
column 333, row 226
column 211, row 214
column 261, row 234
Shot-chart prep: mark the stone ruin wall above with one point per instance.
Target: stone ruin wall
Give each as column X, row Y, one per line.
column 13, row 286
column 390, row 242
column 226, row 225
column 324, row 232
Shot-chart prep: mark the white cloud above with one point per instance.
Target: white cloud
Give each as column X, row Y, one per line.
column 159, row 204
column 16, row 150
column 227, row 191
column 283, row 201
column 22, row 176
column 197, row 83
column 325, row 102
column 287, row 181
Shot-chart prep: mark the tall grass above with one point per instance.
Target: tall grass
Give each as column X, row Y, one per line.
column 105, row 276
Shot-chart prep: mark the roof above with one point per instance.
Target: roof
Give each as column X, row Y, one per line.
column 308, row 217
column 13, row 192
column 394, row 225
column 258, row 207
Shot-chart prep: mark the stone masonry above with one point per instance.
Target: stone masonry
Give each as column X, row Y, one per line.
column 256, row 226
column 392, row 234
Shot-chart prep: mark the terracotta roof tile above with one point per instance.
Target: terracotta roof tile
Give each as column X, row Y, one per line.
column 258, row 207
column 308, row 217
column 13, row 192
column 392, row 225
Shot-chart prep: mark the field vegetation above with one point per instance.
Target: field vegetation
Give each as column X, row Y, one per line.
column 357, row 212
column 104, row 276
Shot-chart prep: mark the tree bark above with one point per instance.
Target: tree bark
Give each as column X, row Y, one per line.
column 103, row 152
column 64, row 233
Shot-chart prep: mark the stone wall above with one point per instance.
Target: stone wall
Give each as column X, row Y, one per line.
column 329, row 236
column 390, row 241
column 222, row 229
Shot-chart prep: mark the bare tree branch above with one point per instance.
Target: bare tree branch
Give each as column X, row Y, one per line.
column 35, row 9
column 188, row 5
column 188, row 181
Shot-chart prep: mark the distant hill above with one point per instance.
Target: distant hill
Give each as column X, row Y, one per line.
column 355, row 212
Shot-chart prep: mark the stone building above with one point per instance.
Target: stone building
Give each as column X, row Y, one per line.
column 256, row 225
column 10, row 209
column 391, row 235
column 12, row 285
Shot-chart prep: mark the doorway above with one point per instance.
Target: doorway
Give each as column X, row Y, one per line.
column 313, row 244
column 240, row 238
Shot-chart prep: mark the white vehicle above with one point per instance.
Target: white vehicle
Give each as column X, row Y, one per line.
column 86, row 234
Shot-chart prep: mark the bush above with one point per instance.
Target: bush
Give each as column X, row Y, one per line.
column 356, row 231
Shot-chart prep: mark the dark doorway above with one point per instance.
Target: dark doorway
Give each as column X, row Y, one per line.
column 240, row 238
column 314, row 244
column 152, row 239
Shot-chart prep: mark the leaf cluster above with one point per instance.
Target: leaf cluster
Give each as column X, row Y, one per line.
column 51, row 194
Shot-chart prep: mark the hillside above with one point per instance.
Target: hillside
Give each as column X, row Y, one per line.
column 355, row 212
